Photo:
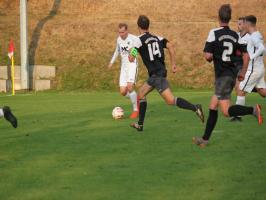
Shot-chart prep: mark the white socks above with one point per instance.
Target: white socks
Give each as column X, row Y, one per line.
column 241, row 100
column 133, row 98
column 1, row 112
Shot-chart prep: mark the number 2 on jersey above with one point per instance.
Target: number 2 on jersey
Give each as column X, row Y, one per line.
column 154, row 50
column 227, row 52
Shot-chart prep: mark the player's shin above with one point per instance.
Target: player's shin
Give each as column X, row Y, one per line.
column 142, row 111
column 134, row 100
column 182, row 103
column 239, row 110
column 211, row 123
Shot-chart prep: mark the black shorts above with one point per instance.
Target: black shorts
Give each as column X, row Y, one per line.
column 160, row 83
column 224, row 86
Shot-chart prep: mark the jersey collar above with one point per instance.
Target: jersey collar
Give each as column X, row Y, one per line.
column 243, row 35
column 227, row 27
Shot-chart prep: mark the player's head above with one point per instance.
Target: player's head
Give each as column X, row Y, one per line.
column 123, row 30
column 225, row 13
column 241, row 24
column 251, row 22
column 143, row 23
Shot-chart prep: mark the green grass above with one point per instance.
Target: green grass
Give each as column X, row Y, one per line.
column 67, row 146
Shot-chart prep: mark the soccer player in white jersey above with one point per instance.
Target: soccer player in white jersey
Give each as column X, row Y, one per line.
column 8, row 115
column 128, row 74
column 254, row 77
column 244, row 37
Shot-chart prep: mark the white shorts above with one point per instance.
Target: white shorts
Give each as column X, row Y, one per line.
column 252, row 80
column 128, row 74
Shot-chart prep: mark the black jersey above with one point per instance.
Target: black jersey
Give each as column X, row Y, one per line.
column 151, row 50
column 224, row 43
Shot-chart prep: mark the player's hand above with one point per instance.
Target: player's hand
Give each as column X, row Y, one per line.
column 131, row 58
column 110, row 66
column 208, row 56
column 174, row 68
column 241, row 75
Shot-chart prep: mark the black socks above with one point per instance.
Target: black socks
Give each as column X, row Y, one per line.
column 211, row 123
column 182, row 103
column 238, row 110
column 142, row 110
column 234, row 111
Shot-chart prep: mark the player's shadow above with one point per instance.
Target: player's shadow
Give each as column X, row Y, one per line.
column 36, row 37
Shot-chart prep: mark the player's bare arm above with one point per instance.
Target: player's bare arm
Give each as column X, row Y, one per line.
column 110, row 65
column 115, row 55
column 242, row 73
column 260, row 48
column 171, row 50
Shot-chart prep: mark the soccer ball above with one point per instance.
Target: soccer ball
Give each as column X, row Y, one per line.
column 118, row 113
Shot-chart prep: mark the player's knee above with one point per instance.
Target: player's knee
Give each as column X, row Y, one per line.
column 240, row 93
column 169, row 102
column 130, row 88
column 225, row 113
column 213, row 107
column 141, row 96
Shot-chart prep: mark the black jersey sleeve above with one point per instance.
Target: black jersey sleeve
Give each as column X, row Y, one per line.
column 209, row 45
column 163, row 41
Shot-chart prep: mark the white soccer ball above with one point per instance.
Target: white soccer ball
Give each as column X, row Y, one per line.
column 118, row 113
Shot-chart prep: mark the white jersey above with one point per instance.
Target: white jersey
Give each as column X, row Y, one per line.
column 244, row 38
column 123, row 47
column 256, row 49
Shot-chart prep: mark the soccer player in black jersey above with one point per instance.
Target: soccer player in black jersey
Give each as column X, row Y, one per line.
column 221, row 47
column 8, row 115
column 151, row 49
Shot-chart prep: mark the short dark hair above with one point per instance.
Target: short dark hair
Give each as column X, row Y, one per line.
column 121, row 25
column 225, row 13
column 143, row 22
column 242, row 18
column 252, row 19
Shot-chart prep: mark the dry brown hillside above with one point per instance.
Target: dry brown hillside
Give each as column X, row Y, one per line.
column 79, row 36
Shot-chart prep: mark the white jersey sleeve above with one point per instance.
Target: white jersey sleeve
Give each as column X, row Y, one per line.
column 211, row 36
column 137, row 42
column 116, row 53
column 210, row 41
column 257, row 41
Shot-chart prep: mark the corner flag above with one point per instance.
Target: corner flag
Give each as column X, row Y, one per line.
column 11, row 50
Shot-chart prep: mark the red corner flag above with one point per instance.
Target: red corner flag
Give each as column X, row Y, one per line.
column 11, row 49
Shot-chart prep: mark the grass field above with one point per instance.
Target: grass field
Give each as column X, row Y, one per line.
column 67, row 146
